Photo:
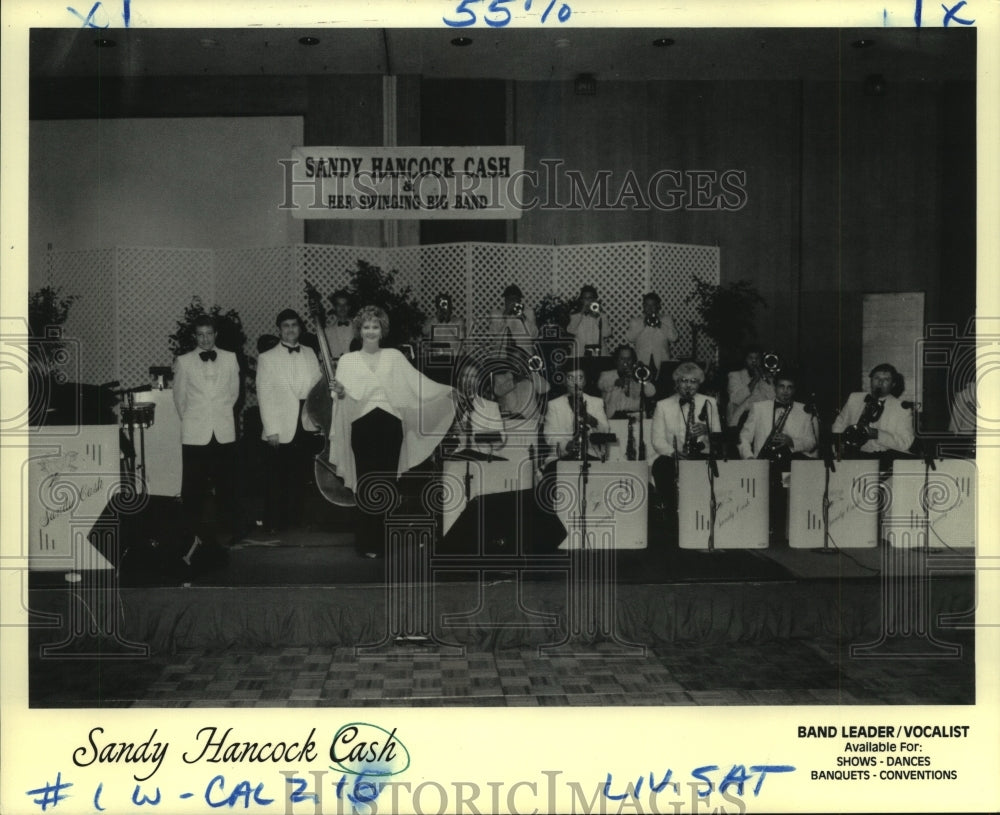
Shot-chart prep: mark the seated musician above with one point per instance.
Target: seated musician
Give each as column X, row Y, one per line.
column 680, row 430
column 620, row 388
column 479, row 427
column 589, row 324
column 781, row 429
column 444, row 331
column 339, row 329
column 876, row 424
column 516, row 318
column 748, row 385
column 519, row 387
column 566, row 416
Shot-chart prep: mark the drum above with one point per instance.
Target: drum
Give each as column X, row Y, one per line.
column 140, row 414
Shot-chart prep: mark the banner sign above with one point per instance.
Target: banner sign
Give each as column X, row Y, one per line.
column 404, row 182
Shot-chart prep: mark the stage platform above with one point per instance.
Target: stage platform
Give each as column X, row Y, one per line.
column 310, row 589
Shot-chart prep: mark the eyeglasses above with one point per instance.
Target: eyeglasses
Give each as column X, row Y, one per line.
column 689, row 381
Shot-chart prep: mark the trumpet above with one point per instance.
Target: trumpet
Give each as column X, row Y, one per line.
column 653, row 321
column 771, row 363
column 443, row 303
column 642, row 373
column 535, row 363
column 517, row 309
column 595, row 308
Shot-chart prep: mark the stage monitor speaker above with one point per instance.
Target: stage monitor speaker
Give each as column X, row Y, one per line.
column 505, row 524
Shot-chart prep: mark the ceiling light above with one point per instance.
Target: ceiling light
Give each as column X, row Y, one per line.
column 104, row 42
column 208, row 42
column 663, row 42
column 562, row 42
column 862, row 43
column 461, row 42
column 308, row 41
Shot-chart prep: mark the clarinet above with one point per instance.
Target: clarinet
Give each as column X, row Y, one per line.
column 630, row 446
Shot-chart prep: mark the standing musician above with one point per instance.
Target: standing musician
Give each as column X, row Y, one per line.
column 780, row 429
column 390, row 419
column 444, row 331
column 651, row 334
column 748, row 385
column 206, row 387
column 680, row 430
column 340, row 328
column 876, row 423
column 589, row 324
column 285, row 375
column 516, row 317
column 619, row 387
column 567, row 414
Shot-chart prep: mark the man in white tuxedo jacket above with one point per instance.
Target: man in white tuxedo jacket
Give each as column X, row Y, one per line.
column 560, row 427
column 798, row 432
column 285, row 376
column 686, row 413
column 206, row 387
column 892, row 432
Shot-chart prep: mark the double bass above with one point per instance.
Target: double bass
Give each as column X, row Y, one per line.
column 320, row 406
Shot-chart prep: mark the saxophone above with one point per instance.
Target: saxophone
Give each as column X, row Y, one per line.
column 773, row 451
column 693, row 448
column 856, row 435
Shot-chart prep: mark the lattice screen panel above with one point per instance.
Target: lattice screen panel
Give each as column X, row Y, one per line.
column 258, row 283
column 497, row 265
column 619, row 272
column 671, row 275
column 90, row 327
column 329, row 268
column 154, row 286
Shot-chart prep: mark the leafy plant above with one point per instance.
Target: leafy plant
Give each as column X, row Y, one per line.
column 553, row 310
column 46, row 308
column 371, row 286
column 727, row 313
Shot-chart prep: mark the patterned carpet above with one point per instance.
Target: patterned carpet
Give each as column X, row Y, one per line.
column 781, row 672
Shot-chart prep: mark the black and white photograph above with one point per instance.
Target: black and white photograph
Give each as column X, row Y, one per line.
column 502, row 360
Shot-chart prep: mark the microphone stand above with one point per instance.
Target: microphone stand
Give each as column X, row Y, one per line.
column 826, row 448
column 713, row 473
column 584, row 468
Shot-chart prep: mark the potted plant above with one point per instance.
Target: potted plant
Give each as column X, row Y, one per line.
column 727, row 316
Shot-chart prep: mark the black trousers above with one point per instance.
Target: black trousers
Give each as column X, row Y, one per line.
column 205, row 466
column 664, row 472
column 376, row 439
column 290, row 471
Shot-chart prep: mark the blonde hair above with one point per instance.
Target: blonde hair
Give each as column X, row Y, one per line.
column 689, row 368
column 368, row 313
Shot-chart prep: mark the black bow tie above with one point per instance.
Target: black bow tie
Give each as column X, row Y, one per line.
column 293, row 349
column 207, row 356
column 343, row 322
column 687, row 400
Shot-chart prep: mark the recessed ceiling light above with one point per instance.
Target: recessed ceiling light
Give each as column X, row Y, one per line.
column 562, row 42
column 461, row 42
column 862, row 43
column 308, row 41
column 208, row 42
column 104, row 42
column 663, row 42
